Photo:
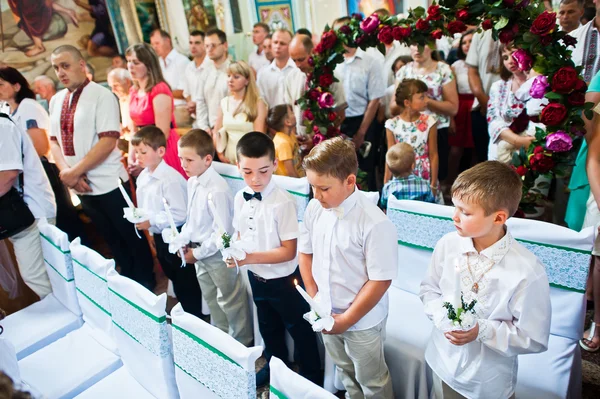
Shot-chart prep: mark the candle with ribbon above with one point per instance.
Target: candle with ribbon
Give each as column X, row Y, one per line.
column 174, row 231
column 124, row 194
column 311, row 302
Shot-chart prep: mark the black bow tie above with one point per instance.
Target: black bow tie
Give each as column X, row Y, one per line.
column 248, row 196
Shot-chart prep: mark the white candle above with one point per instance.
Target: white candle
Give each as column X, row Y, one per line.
column 456, row 297
column 213, row 209
column 311, row 302
column 124, row 194
column 170, row 217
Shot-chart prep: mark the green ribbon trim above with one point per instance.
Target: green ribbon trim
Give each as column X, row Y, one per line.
column 54, row 245
column 88, row 269
column 59, row 273
column 289, row 191
column 94, row 302
column 276, row 392
column 159, row 320
column 563, row 287
column 420, row 214
column 127, row 332
column 205, row 344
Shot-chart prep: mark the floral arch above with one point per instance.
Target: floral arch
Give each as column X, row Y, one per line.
column 532, row 29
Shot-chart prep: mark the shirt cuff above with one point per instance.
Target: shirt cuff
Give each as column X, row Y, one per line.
column 486, row 330
column 111, row 133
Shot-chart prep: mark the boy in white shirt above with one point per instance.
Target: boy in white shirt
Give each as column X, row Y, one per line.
column 266, row 214
column 508, row 282
column 157, row 181
column 348, row 258
column 222, row 288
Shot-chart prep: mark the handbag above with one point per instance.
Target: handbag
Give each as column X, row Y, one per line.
column 15, row 215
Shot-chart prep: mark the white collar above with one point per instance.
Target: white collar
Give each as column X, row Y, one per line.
column 290, row 64
column 359, row 54
column 205, row 177
column 160, row 171
column 495, row 252
column 346, row 206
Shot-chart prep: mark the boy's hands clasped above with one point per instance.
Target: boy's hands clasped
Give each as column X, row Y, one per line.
column 460, row 338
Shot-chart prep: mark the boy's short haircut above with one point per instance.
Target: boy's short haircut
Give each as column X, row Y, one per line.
column 199, row 140
column 400, row 159
column 492, row 185
column 255, row 145
column 152, row 136
column 335, row 157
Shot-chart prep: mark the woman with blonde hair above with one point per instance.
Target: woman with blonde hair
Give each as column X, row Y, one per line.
column 241, row 112
column 151, row 101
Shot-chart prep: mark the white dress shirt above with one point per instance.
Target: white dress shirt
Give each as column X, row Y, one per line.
column 192, row 78
column 267, row 222
column 295, row 87
column 213, row 88
column 398, row 49
column 173, row 69
column 513, row 312
column 257, row 60
column 165, row 182
column 271, row 82
column 362, row 81
column 350, row 245
column 201, row 222
column 97, row 113
column 37, row 192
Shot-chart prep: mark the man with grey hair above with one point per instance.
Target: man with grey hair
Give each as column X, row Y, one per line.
column 84, row 128
column 44, row 87
column 119, row 81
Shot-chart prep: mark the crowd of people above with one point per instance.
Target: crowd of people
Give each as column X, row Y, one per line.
column 413, row 120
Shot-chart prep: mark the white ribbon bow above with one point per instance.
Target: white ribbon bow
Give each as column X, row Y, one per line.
column 338, row 211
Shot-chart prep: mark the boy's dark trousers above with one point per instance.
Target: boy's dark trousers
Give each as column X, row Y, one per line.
column 185, row 282
column 280, row 307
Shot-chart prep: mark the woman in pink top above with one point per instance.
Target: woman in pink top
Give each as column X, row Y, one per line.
column 151, row 101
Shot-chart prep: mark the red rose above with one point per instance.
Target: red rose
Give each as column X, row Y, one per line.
column 538, row 149
column 577, row 99
column 456, row 27
column 521, row 170
column 506, row 35
column 308, row 115
column 580, row 85
column 401, row 32
column 564, row 80
column 544, row 24
column 332, row 116
column 508, row 3
column 546, row 40
column 569, row 41
column 327, row 41
column 541, row 163
column 313, row 95
column 345, row 29
column 437, row 34
column 385, row 35
column 553, row 114
column 487, row 24
column 333, row 131
column 422, row 24
column 325, row 80
column 434, row 13
column 463, row 14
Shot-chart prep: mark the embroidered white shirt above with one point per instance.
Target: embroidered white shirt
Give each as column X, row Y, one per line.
column 587, row 52
column 349, row 249
column 173, row 69
column 201, row 221
column 267, row 222
column 513, row 312
column 271, row 82
column 165, row 182
column 213, row 88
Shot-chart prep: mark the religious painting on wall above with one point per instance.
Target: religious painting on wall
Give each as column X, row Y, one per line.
column 367, row 7
column 148, row 17
column 276, row 14
column 200, row 14
column 32, row 29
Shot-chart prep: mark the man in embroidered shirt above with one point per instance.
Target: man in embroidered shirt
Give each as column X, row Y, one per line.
column 84, row 128
column 173, row 65
column 271, row 78
column 213, row 85
column 400, row 159
column 301, row 48
column 258, row 57
column 587, row 50
column 190, row 81
column 512, row 312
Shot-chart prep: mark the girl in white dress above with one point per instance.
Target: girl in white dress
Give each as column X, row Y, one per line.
column 418, row 129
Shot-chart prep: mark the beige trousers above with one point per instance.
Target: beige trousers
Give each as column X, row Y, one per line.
column 358, row 357
column 182, row 117
column 441, row 390
column 30, row 259
column 226, row 297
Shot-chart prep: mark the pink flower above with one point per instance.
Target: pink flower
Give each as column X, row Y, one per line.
column 539, row 87
column 318, row 138
column 559, row 142
column 370, row 24
column 326, row 100
column 523, row 59
column 308, row 115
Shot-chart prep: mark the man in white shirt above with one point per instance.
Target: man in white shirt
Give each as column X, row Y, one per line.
column 213, row 83
column 301, row 49
column 45, row 88
column 84, row 128
column 257, row 58
column 569, row 14
column 173, row 65
column 587, row 50
column 190, row 81
column 364, row 85
column 483, row 61
column 271, row 78
column 18, row 157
